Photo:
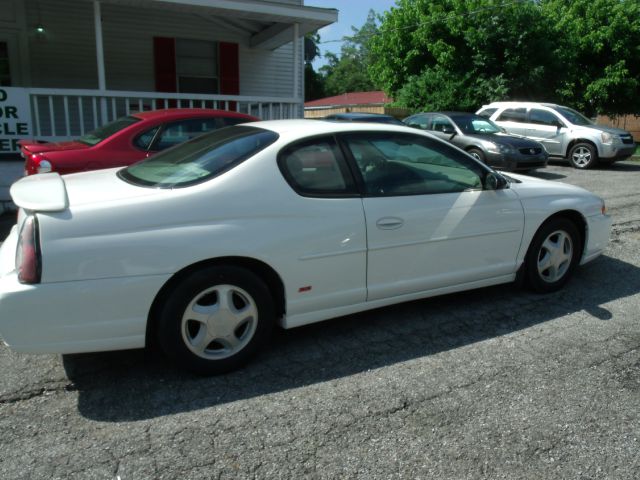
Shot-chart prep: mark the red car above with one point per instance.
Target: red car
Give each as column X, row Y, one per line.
column 126, row 140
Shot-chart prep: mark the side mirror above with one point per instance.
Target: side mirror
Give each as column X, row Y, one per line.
column 448, row 130
column 558, row 124
column 493, row 181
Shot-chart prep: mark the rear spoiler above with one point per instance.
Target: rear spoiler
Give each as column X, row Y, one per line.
column 45, row 192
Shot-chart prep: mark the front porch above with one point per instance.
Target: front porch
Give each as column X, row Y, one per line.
column 59, row 114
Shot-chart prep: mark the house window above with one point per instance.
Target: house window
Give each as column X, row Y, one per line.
column 5, row 76
column 197, row 66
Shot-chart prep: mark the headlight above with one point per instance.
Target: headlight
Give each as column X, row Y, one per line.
column 499, row 148
column 606, row 137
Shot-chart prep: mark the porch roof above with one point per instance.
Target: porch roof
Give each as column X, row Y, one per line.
column 269, row 25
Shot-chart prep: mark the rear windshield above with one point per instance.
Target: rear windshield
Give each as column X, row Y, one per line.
column 199, row 159
column 99, row 134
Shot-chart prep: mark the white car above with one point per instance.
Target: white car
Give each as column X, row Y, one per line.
column 204, row 247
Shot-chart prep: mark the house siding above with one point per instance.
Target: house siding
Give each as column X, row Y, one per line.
column 59, row 60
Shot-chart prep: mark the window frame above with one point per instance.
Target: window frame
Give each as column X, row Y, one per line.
column 360, row 181
column 352, row 189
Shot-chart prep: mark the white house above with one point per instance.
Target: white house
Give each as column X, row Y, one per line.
column 68, row 66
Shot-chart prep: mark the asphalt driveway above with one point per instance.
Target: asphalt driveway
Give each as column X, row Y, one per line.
column 493, row 383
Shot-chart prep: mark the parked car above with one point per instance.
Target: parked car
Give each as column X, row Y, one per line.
column 204, row 247
column 563, row 131
column 483, row 139
column 126, row 140
column 363, row 117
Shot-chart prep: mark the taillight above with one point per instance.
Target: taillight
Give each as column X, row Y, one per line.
column 36, row 163
column 28, row 252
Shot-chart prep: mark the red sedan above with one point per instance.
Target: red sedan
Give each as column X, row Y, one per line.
column 126, row 140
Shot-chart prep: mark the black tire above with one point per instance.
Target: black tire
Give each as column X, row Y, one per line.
column 235, row 312
column 583, row 156
column 562, row 253
column 478, row 154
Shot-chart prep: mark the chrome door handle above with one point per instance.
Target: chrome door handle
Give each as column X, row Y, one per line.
column 389, row 223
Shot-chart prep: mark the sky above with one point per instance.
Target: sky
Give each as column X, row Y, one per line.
column 350, row 12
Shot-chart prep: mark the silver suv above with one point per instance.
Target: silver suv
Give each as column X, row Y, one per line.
column 563, row 132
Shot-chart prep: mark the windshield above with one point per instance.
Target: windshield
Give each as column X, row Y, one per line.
column 99, row 134
column 199, row 159
column 473, row 124
column 574, row 117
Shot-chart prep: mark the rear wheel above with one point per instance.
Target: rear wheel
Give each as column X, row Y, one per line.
column 553, row 255
column 216, row 319
column 583, row 156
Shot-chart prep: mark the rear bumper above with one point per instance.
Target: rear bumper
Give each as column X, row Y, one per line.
column 74, row 317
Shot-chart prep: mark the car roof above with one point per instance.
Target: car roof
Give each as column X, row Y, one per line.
column 178, row 113
column 309, row 127
column 359, row 115
column 521, row 104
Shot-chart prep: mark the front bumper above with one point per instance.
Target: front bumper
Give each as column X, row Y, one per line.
column 598, row 233
column 617, row 151
column 517, row 160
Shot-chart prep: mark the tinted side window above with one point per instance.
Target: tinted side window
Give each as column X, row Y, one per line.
column 418, row 121
column 229, row 121
column 143, row 141
column 316, row 167
column 179, row 132
column 401, row 164
column 513, row 115
column 542, row 117
column 487, row 112
column 440, row 124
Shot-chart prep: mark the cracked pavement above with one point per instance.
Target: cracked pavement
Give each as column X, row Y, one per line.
column 492, row 383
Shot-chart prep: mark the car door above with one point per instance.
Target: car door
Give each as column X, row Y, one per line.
column 513, row 120
column 327, row 251
column 430, row 224
column 548, row 129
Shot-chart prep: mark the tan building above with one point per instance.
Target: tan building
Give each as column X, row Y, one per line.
column 367, row 102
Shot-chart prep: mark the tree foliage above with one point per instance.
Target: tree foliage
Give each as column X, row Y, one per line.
column 348, row 72
column 313, row 81
column 460, row 54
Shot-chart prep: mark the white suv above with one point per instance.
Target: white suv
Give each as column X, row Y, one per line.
column 563, row 132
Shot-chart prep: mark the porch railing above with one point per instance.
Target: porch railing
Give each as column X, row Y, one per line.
column 62, row 113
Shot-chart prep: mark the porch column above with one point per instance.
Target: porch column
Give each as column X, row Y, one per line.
column 296, row 61
column 102, row 82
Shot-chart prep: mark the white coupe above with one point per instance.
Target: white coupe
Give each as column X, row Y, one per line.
column 205, row 247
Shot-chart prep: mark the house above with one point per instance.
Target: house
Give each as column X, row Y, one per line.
column 68, row 66
column 369, row 102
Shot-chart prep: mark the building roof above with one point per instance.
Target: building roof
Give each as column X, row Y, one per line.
column 351, row 98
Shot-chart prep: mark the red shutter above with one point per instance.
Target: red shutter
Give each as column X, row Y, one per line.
column 164, row 56
column 229, row 70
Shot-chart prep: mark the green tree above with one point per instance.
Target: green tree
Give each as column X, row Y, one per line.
column 597, row 43
column 348, row 72
column 459, row 54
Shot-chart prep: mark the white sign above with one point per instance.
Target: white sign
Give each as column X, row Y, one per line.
column 15, row 118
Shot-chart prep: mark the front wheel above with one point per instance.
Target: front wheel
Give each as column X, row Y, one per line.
column 583, row 156
column 553, row 255
column 216, row 319
column 477, row 154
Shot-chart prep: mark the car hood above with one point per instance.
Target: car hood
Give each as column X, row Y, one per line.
column 603, row 128
column 527, row 187
column 41, row 147
column 515, row 141
column 51, row 192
